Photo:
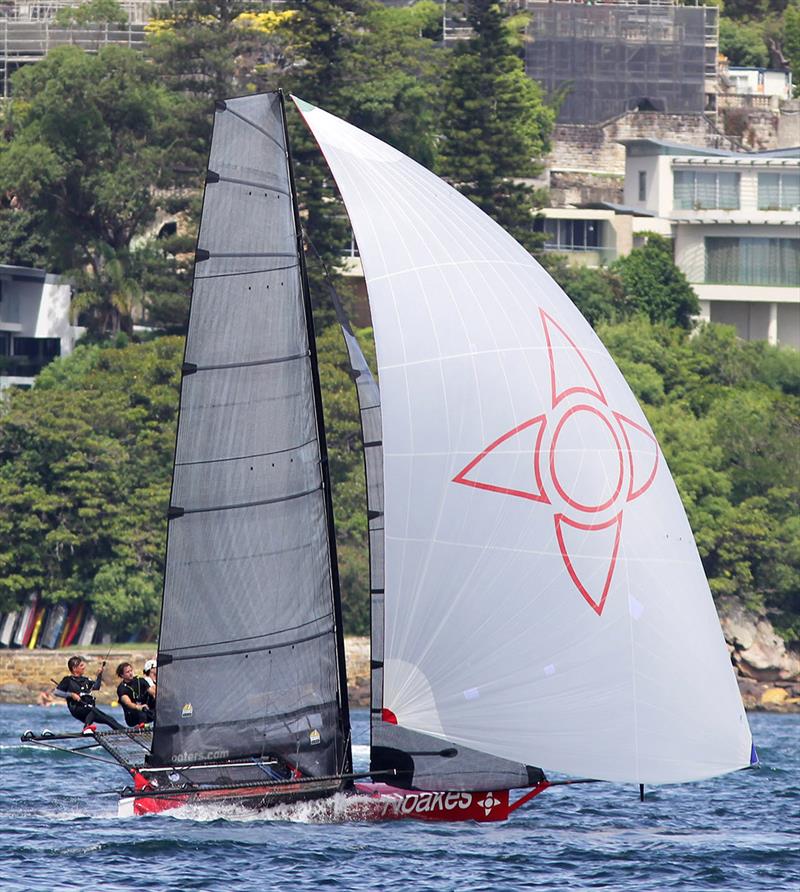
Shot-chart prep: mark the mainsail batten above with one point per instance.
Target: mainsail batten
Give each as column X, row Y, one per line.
column 535, row 629
column 250, row 648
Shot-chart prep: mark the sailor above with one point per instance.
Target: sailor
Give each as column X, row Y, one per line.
column 150, row 676
column 133, row 693
column 77, row 690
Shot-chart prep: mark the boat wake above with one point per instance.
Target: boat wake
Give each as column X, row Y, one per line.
column 336, row 809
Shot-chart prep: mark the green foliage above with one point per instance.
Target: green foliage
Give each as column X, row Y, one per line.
column 597, row 293
column 22, row 237
column 791, row 40
column 743, row 43
column 495, row 124
column 727, row 416
column 85, row 461
column 84, row 148
column 93, row 12
column 654, row 286
column 343, row 431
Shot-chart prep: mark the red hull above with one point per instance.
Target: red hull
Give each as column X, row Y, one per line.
column 367, row 802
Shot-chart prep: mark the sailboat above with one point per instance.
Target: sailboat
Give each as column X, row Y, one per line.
column 532, row 570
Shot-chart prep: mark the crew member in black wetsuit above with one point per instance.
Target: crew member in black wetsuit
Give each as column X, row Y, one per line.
column 133, row 694
column 77, row 690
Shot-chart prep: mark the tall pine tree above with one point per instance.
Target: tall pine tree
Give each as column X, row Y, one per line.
column 495, row 124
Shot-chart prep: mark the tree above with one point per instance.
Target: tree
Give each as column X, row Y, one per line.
column 656, row 287
column 743, row 43
column 108, row 296
column 207, row 50
column 85, row 461
column 93, row 12
column 84, row 149
column 791, row 40
column 22, row 237
column 495, row 124
column 598, row 294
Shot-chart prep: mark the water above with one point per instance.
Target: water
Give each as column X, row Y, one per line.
column 738, row 832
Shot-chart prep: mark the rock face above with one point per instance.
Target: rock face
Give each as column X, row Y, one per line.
column 757, row 651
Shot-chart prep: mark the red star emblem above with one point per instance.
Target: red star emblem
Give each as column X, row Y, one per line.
column 588, row 462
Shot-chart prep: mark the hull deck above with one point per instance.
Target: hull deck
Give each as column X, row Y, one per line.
column 339, row 798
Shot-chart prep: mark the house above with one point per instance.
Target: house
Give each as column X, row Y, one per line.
column 34, row 323
column 735, row 221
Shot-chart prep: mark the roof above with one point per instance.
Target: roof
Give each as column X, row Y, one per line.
column 22, row 273
column 618, row 208
column 649, row 146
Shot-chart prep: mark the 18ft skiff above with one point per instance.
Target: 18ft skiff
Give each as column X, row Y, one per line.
column 532, row 568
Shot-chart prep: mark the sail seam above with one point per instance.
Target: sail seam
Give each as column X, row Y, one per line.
column 238, row 182
column 249, row 254
column 246, row 272
column 249, row 650
column 309, row 622
column 289, row 498
column 252, row 362
column 255, row 126
column 211, row 461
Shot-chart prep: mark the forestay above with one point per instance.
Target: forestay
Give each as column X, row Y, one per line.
column 248, row 651
column 544, row 599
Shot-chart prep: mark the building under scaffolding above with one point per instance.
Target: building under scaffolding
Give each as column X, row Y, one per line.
column 613, row 56
column 29, row 30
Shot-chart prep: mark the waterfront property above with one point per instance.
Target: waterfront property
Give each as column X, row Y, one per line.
column 35, row 324
column 734, row 218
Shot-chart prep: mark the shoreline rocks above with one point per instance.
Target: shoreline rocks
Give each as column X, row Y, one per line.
column 768, row 679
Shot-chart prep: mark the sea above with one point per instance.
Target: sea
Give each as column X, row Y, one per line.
column 59, row 830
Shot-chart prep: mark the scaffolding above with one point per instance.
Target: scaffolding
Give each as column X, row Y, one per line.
column 622, row 55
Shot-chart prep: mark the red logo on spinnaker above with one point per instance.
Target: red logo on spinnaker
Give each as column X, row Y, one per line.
column 579, row 425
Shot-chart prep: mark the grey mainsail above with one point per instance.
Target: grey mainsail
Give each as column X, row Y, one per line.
column 250, row 652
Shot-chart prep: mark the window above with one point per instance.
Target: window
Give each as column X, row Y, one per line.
column 753, row 261
column 778, row 191
column 642, row 185
column 698, row 190
column 37, row 348
column 571, row 235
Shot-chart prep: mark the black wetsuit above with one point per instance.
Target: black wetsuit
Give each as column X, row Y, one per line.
column 85, row 711
column 139, row 692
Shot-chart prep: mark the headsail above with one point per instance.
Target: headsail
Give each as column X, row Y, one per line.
column 418, row 760
column 249, row 651
column 544, row 599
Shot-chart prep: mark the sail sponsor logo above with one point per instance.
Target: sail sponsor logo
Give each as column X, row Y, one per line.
column 589, row 461
column 208, row 756
column 423, row 803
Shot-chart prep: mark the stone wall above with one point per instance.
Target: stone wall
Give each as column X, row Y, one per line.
column 596, row 147
column 24, row 673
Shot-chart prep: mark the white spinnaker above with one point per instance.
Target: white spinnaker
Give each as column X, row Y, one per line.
column 551, row 608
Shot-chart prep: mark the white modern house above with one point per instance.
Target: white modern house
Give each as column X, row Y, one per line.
column 735, row 221
column 35, row 323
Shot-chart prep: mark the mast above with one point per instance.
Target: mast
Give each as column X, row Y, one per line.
column 251, row 659
column 344, row 703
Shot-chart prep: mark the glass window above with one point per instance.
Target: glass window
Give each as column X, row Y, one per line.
column 700, row 190
column 753, row 261
column 642, row 185
column 778, row 191
column 571, row 235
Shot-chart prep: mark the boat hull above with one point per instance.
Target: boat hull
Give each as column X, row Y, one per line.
column 364, row 802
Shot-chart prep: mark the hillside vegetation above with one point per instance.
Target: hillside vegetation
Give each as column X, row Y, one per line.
column 95, row 151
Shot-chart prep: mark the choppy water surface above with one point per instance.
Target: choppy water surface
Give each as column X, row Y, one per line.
column 740, row 832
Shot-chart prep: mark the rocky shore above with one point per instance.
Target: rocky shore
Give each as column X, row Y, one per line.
column 768, row 674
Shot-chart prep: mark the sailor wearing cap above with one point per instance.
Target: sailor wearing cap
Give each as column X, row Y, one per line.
column 150, row 671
